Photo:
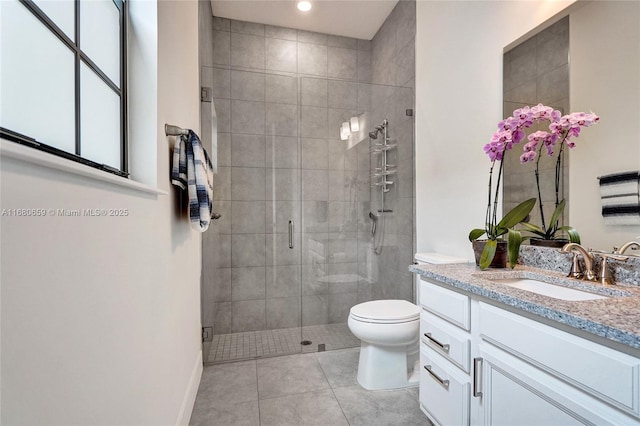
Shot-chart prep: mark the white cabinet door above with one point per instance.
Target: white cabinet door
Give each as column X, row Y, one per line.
column 605, row 373
column 515, row 393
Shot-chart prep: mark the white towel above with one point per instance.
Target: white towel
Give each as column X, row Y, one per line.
column 623, row 200
column 618, row 188
column 620, row 195
column 623, row 219
column 192, row 170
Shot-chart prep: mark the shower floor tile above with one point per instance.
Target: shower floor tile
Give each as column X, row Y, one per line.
column 267, row 343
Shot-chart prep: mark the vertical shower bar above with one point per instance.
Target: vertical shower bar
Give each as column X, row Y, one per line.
column 384, row 161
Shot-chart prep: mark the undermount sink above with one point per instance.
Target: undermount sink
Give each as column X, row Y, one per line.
column 551, row 285
column 550, row 290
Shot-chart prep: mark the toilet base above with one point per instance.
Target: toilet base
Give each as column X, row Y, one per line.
column 387, row 367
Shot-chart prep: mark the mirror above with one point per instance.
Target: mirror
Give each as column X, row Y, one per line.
column 586, row 59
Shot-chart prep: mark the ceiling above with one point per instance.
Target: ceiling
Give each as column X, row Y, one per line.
column 349, row 18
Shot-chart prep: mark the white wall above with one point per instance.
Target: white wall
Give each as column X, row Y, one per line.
column 459, row 47
column 610, row 87
column 100, row 315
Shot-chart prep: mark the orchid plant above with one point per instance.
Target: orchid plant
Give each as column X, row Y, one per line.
column 511, row 131
column 562, row 131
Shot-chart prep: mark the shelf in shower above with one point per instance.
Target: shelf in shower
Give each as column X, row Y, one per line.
column 381, row 148
column 385, row 173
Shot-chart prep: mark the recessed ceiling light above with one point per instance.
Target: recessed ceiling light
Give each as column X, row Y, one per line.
column 304, row 6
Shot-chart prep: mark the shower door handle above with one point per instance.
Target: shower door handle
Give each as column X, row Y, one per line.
column 290, row 234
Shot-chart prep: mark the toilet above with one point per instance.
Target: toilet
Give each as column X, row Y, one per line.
column 388, row 330
column 389, row 335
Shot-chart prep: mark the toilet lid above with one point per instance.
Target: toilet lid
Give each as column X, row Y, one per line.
column 387, row 311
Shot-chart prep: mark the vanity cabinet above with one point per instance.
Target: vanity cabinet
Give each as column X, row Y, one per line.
column 483, row 365
column 445, row 355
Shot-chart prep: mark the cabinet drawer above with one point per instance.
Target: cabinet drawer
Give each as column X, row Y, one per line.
column 447, row 340
column 444, row 391
column 603, row 372
column 447, row 304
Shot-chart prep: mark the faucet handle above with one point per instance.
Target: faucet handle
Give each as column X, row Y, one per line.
column 576, row 270
column 604, row 275
column 614, row 256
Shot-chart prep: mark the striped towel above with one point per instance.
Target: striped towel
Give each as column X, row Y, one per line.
column 192, row 170
column 620, row 195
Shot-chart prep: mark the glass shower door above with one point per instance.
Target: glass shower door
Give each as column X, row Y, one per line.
column 340, row 267
column 334, row 185
column 283, row 244
column 283, row 270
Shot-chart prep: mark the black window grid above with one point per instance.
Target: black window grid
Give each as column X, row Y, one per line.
column 81, row 57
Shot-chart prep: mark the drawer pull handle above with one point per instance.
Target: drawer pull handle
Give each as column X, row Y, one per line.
column 443, row 383
column 477, row 377
column 443, row 346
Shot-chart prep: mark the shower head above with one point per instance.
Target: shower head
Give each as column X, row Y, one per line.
column 378, row 129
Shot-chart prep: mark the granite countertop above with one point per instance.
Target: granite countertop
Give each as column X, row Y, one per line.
column 616, row 318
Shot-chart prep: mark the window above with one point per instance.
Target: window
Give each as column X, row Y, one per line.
column 63, row 79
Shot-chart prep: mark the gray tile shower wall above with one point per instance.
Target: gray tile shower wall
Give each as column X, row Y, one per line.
column 393, row 67
column 393, row 47
column 280, row 96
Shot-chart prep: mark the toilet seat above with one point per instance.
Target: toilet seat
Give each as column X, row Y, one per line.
column 385, row 312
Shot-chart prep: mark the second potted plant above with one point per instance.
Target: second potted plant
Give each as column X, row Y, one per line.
column 562, row 130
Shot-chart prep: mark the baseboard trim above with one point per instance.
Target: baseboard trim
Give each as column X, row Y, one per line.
column 184, row 416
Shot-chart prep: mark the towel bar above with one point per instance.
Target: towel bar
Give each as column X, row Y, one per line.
column 171, row 130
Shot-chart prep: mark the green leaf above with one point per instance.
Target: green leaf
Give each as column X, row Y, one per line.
column 513, row 247
column 533, row 228
column 475, row 234
column 557, row 213
column 517, row 214
column 574, row 237
column 488, row 254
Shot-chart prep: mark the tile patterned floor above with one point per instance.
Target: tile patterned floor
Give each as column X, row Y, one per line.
column 303, row 389
column 266, row 343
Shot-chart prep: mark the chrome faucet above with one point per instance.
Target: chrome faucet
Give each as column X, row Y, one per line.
column 633, row 245
column 588, row 273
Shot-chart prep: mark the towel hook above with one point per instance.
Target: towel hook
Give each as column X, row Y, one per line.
column 171, row 130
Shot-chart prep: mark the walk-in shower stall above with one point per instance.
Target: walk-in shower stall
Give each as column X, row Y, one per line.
column 300, row 184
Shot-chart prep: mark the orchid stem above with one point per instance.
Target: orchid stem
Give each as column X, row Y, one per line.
column 559, row 171
column 538, row 186
column 488, row 214
column 494, row 221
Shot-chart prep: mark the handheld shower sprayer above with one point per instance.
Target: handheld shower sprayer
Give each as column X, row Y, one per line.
column 374, row 223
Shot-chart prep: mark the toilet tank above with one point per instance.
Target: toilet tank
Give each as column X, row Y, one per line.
column 434, row 259
column 437, row 258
